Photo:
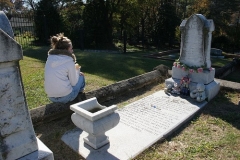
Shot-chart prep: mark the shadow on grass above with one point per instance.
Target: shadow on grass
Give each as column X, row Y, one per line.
column 222, row 107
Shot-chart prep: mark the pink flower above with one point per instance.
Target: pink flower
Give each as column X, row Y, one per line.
column 191, row 70
column 183, row 68
column 200, row 70
column 175, row 64
column 210, row 69
column 178, row 65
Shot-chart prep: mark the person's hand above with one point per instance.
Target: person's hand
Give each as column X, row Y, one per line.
column 81, row 73
column 77, row 66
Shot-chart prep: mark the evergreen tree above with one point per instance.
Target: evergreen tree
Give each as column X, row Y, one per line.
column 47, row 20
column 96, row 24
column 167, row 21
column 221, row 12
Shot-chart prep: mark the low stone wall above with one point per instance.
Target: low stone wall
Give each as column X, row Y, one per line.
column 159, row 74
column 225, row 70
column 57, row 110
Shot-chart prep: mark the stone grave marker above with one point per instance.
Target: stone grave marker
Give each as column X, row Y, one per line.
column 142, row 123
column 196, row 36
column 17, row 136
column 217, row 53
column 194, row 61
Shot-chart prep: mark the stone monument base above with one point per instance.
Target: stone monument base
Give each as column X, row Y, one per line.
column 204, row 77
column 211, row 89
column 43, row 153
column 142, row 123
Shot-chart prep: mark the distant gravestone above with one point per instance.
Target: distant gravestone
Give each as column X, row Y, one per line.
column 216, row 52
column 196, row 41
column 17, row 136
column 5, row 25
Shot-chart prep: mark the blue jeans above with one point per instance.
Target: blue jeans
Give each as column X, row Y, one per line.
column 79, row 87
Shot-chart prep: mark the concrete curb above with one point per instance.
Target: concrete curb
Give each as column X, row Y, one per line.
column 229, row 84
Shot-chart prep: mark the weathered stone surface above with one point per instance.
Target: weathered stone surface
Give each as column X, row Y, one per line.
column 15, row 121
column 216, row 52
column 196, row 36
column 204, row 77
column 17, row 136
column 10, row 49
column 5, row 24
column 112, row 91
column 192, row 53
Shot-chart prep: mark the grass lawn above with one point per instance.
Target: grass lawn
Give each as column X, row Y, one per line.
column 100, row 69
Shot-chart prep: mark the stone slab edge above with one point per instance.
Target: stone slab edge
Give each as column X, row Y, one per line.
column 43, row 153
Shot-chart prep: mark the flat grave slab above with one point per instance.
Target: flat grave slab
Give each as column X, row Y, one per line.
column 142, row 123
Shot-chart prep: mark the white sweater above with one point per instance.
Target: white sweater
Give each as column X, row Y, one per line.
column 60, row 75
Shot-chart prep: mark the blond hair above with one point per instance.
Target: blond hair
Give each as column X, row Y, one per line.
column 60, row 42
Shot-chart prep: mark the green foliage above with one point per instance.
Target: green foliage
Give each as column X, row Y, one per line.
column 167, row 21
column 47, row 20
column 73, row 23
column 97, row 29
column 221, row 12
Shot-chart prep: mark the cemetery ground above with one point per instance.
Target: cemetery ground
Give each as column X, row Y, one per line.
column 214, row 133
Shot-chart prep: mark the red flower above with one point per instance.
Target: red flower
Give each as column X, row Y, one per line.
column 191, row 70
column 200, row 70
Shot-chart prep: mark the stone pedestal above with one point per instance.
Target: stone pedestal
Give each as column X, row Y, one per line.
column 204, row 77
column 94, row 119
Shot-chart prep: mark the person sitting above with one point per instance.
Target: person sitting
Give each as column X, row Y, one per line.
column 63, row 79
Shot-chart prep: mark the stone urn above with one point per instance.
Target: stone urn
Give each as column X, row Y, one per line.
column 94, row 119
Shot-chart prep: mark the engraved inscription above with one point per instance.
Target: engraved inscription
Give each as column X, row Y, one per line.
column 193, row 43
column 154, row 114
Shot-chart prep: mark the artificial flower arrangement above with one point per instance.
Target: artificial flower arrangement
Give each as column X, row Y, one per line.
column 192, row 69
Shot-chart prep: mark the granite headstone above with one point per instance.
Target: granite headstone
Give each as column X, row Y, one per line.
column 194, row 61
column 196, row 36
column 17, row 136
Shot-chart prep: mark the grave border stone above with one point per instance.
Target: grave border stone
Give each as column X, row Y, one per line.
column 17, row 136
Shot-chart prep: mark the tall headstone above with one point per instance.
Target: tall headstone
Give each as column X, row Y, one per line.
column 194, row 61
column 17, row 136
